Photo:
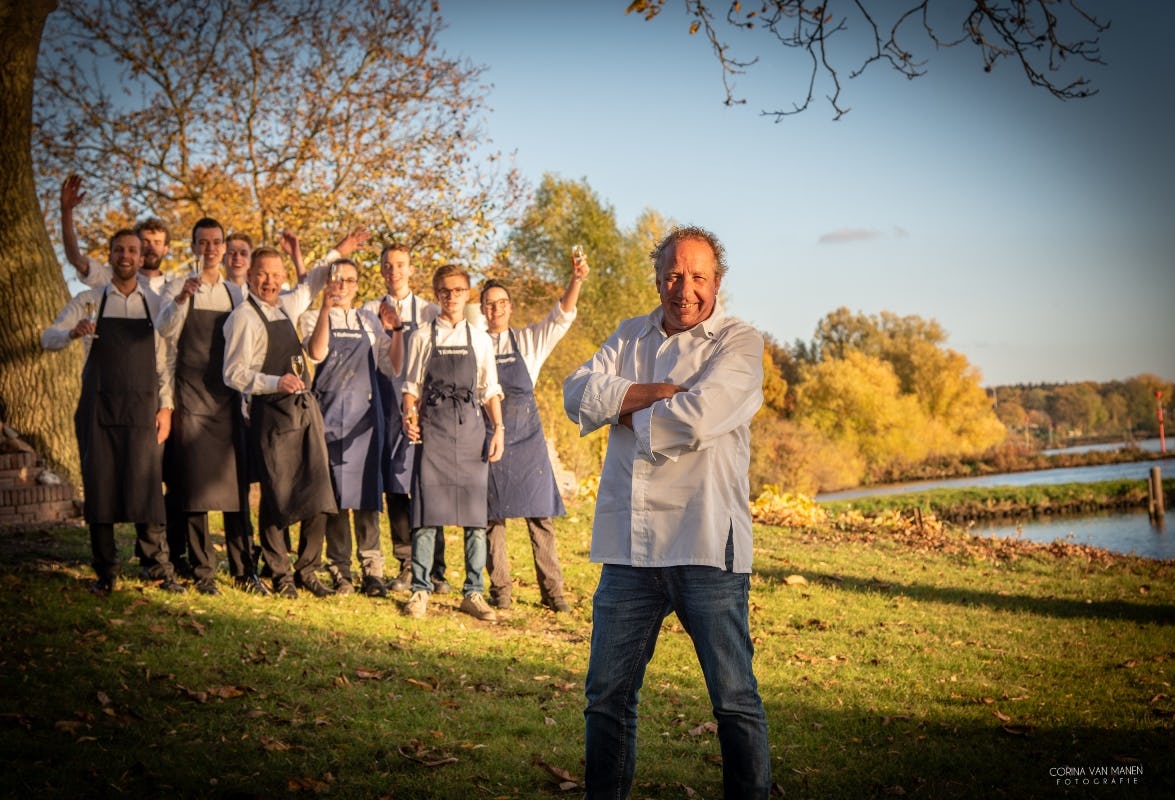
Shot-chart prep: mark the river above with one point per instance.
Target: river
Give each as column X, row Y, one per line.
column 1118, row 532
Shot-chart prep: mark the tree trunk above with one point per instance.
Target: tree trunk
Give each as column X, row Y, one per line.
column 38, row 390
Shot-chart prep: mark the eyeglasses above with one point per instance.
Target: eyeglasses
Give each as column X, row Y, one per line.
column 496, row 305
column 347, row 280
column 450, row 292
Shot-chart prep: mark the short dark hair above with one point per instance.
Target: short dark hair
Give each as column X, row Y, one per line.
column 206, row 222
column 493, row 284
column 153, row 224
column 392, row 247
column 118, row 234
column 689, row 232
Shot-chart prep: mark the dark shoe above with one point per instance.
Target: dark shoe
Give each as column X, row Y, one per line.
column 102, row 587
column 170, row 584
column 207, row 586
column 313, row 585
column 373, row 586
column 344, row 587
column 251, row 585
column 558, row 605
column 441, row 586
column 501, row 602
column 183, row 569
column 403, row 581
column 287, row 591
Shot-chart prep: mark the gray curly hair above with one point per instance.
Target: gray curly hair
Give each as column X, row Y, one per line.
column 676, row 235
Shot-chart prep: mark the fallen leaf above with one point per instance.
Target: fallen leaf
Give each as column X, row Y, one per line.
column 274, row 745
column 1001, row 717
column 104, row 698
column 427, row 758
column 706, row 727
column 548, row 721
column 429, row 686
column 563, row 775
column 795, row 580
column 368, row 674
column 226, row 692
column 67, row 725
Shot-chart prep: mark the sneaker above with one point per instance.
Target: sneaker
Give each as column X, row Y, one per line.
column 403, row 581
column 475, row 605
column 207, row 586
column 441, row 586
column 344, row 587
column 170, row 584
column 313, row 585
column 417, row 604
column 558, row 605
column 373, row 586
column 251, row 585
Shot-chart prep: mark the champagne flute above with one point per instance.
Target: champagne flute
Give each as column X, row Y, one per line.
column 298, row 367
column 577, row 254
column 92, row 316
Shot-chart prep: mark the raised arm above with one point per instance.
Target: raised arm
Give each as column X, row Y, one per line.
column 72, row 196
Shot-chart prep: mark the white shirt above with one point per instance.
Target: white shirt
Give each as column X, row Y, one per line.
column 348, row 319
column 209, row 297
column 118, row 306
column 537, row 340
column 420, row 350
column 411, row 308
column 246, row 337
column 101, row 274
column 675, row 486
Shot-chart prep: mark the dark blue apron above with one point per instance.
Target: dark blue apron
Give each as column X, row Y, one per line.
column 522, row 483
column 450, row 479
column 399, row 457
column 202, row 463
column 349, row 396
column 286, row 437
column 122, row 461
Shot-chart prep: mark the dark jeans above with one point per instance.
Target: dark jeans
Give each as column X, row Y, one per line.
column 628, row 609
column 338, row 544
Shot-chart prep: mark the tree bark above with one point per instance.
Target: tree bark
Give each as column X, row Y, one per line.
column 38, row 390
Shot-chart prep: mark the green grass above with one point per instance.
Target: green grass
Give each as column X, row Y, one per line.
column 891, row 669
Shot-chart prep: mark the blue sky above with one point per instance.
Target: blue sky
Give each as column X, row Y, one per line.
column 1037, row 232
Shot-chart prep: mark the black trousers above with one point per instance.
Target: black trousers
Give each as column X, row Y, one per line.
column 150, row 545
column 238, row 543
column 338, row 543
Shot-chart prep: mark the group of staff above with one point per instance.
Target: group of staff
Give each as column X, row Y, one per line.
column 199, row 383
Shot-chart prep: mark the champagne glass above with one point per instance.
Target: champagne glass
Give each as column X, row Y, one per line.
column 298, row 367
column 92, row 316
column 577, row 254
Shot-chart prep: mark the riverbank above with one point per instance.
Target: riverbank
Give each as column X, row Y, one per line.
column 963, row 505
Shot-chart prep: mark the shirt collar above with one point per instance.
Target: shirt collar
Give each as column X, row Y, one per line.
column 708, row 327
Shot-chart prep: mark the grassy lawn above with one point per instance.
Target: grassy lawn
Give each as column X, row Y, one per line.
column 888, row 668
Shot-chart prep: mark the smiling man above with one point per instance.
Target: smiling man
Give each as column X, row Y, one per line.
column 672, row 527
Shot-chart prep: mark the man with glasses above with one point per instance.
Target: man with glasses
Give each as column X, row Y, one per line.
column 522, row 484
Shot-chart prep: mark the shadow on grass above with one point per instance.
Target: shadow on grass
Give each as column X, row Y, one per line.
column 1061, row 607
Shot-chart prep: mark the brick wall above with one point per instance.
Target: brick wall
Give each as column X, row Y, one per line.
column 24, row 502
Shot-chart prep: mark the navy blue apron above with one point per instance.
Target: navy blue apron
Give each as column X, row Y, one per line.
column 522, row 483
column 202, row 460
column 399, row 457
column 349, row 397
column 287, row 437
column 450, row 480
column 122, row 461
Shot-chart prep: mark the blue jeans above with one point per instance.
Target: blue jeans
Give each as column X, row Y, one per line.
column 424, row 541
column 629, row 606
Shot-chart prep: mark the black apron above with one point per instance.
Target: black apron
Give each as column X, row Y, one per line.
column 349, row 397
column 399, row 457
column 449, row 483
column 287, row 438
column 122, row 463
column 522, row 483
column 202, row 458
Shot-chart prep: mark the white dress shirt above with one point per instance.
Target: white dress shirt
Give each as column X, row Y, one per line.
column 537, row 340
column 209, row 297
column 101, row 274
column 420, row 350
column 246, row 338
column 411, row 308
column 118, row 306
column 675, row 486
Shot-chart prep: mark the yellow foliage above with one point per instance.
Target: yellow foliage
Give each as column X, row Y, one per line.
column 773, row 507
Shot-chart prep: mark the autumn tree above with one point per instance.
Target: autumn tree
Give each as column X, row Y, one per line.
column 1049, row 41
column 38, row 392
column 313, row 115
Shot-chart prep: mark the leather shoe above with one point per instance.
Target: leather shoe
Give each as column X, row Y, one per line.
column 102, row 587
column 502, row 602
column 403, row 581
column 170, row 584
column 287, row 591
column 312, row 585
column 558, row 605
column 373, row 586
column 441, row 586
column 344, row 587
column 207, row 586
column 251, row 585
column 183, row 568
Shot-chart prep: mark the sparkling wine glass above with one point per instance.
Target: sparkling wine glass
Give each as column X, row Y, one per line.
column 92, row 316
column 298, row 367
